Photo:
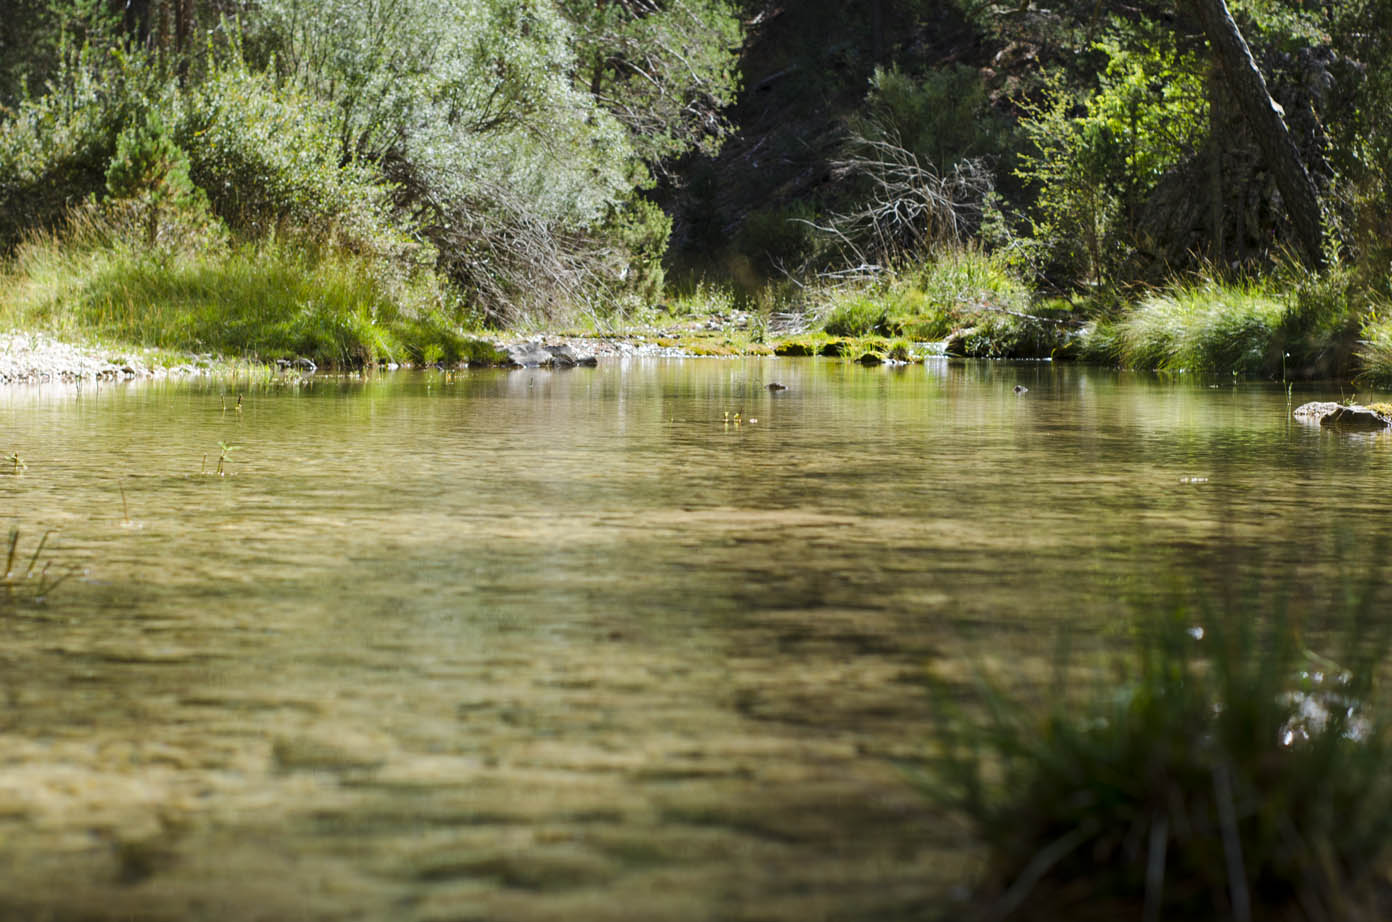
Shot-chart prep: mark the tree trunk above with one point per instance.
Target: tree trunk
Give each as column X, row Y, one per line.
column 877, row 33
column 136, row 19
column 1248, row 89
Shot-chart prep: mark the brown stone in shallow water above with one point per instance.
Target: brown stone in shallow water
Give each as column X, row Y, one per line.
column 1355, row 418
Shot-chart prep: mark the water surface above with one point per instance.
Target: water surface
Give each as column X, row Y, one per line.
column 530, row 645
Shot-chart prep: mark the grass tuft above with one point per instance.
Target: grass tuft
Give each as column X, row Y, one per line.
column 1305, row 328
column 1223, row 771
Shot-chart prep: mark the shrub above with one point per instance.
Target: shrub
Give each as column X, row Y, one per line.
column 267, row 158
column 55, row 149
column 1375, row 352
column 1224, row 771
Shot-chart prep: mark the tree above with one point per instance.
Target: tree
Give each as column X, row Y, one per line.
column 664, row 68
column 1268, row 125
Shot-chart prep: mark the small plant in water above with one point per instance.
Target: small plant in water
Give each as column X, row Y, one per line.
column 14, row 579
column 1223, row 772
column 224, row 455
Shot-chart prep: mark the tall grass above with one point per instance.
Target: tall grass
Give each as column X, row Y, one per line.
column 278, row 297
column 1204, row 328
column 1221, row 770
column 1282, row 328
column 1375, row 351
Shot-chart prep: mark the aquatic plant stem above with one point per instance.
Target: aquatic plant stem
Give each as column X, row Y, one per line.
column 1232, row 843
column 1039, row 866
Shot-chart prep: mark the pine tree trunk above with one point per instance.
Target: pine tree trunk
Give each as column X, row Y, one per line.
column 1248, row 88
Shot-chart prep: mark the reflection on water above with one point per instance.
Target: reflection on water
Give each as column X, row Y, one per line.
column 532, row 645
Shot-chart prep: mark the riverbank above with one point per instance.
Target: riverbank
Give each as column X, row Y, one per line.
column 245, row 311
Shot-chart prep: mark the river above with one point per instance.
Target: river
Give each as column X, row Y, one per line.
column 583, row 645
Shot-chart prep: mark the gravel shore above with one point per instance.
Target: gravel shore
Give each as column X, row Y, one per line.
column 34, row 358
column 37, row 358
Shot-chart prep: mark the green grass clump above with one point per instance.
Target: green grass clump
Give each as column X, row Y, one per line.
column 858, row 315
column 1304, row 329
column 274, row 298
column 1222, row 771
column 19, row 581
column 1204, row 328
column 1375, row 352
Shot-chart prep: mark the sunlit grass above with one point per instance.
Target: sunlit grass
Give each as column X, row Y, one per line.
column 1204, row 328
column 269, row 299
column 1375, row 352
column 1281, row 328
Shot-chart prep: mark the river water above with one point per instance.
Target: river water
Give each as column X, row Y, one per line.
column 528, row 645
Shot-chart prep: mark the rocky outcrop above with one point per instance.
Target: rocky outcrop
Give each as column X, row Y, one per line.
column 1351, row 417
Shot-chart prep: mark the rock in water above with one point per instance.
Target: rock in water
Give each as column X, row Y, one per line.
column 566, row 357
column 1355, row 418
column 527, row 354
column 1315, row 410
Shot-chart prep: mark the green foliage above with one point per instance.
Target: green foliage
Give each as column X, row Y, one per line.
column 1098, row 155
column 967, row 298
column 944, row 116
column 1305, row 330
column 151, row 171
column 664, row 70
column 1221, row 763
column 641, row 229
column 520, row 177
column 38, row 36
column 268, row 157
column 55, row 149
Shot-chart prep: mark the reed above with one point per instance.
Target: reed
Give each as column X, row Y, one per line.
column 18, row 576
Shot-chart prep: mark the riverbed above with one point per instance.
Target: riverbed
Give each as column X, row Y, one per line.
column 644, row 641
